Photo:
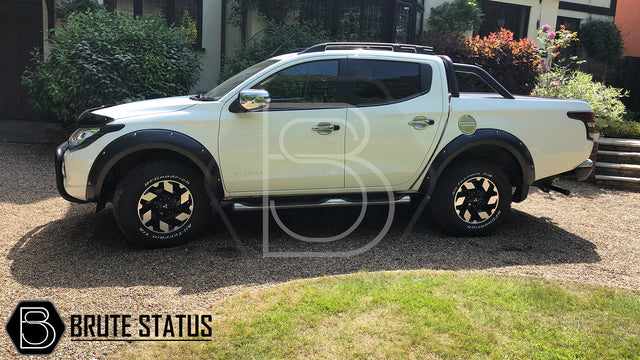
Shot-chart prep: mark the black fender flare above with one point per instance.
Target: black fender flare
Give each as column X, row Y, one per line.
column 482, row 137
column 150, row 139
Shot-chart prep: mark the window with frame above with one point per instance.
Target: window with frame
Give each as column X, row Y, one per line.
column 499, row 15
column 174, row 11
column 382, row 81
column 367, row 20
column 569, row 23
column 312, row 83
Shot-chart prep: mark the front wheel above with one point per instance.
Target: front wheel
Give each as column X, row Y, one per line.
column 471, row 198
column 160, row 203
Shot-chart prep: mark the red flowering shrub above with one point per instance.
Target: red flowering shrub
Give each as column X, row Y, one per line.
column 512, row 62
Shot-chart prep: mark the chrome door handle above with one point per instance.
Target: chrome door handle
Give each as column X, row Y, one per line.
column 325, row 128
column 421, row 123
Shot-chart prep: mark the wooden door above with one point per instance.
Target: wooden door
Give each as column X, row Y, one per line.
column 21, row 29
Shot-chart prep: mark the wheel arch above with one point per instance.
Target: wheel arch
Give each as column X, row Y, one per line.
column 495, row 146
column 136, row 147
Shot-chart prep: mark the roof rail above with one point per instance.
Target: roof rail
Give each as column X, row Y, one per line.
column 406, row 48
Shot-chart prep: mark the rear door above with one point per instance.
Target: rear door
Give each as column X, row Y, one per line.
column 399, row 107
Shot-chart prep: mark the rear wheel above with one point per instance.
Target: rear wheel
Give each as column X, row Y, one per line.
column 471, row 198
column 160, row 203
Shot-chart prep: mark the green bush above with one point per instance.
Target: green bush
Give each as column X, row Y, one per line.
column 618, row 128
column 275, row 39
column 602, row 40
column 104, row 57
column 457, row 16
column 603, row 43
column 604, row 100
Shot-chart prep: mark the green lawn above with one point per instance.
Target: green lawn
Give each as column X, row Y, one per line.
column 416, row 314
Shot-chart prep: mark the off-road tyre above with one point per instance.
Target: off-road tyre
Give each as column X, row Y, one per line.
column 471, row 198
column 161, row 203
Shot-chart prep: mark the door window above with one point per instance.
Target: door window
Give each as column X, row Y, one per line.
column 312, row 84
column 381, row 81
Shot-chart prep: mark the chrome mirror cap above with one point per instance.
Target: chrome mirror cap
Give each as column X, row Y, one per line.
column 254, row 99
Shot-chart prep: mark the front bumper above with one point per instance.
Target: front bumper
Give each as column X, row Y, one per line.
column 60, row 174
column 583, row 170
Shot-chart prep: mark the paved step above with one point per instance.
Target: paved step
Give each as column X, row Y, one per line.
column 619, row 153
column 620, row 157
column 618, row 166
column 618, row 163
column 625, row 145
column 607, row 168
column 618, row 178
column 621, row 182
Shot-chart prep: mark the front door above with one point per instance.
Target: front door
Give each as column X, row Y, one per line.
column 297, row 143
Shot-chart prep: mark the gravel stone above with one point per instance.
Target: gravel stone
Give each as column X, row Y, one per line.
column 54, row 250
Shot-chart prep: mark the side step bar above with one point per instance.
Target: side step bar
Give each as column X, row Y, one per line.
column 240, row 206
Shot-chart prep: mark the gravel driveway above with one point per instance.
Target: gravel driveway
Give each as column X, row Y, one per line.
column 54, row 250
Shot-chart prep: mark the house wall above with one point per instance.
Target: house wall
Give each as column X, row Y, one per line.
column 585, row 9
column 45, row 28
column 542, row 12
column 211, row 44
column 626, row 16
column 598, row 3
column 233, row 37
column 547, row 11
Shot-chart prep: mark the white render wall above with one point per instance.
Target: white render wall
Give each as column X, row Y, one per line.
column 599, row 3
column 211, row 43
column 546, row 11
column 583, row 15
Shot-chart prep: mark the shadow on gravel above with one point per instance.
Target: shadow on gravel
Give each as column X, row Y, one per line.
column 89, row 251
column 581, row 189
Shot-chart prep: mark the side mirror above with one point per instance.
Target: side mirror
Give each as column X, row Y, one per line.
column 254, row 99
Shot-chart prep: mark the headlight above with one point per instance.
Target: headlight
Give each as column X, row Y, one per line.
column 80, row 135
column 84, row 136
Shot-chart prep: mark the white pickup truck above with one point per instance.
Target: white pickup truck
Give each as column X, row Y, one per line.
column 334, row 124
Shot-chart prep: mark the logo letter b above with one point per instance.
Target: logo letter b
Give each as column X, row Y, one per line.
column 35, row 331
column 35, row 327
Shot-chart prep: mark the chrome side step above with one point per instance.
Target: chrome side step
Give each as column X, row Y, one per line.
column 239, row 206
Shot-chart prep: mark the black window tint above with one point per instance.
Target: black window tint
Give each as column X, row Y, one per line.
column 378, row 81
column 313, row 82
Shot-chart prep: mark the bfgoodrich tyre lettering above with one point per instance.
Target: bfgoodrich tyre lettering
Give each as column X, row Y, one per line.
column 161, row 203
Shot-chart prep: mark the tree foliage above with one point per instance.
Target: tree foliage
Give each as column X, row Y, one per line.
column 104, row 57
column 274, row 40
column 458, row 17
column 67, row 7
column 602, row 40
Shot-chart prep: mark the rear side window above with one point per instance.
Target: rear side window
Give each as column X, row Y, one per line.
column 382, row 81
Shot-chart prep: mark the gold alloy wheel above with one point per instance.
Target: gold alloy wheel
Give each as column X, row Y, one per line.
column 165, row 206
